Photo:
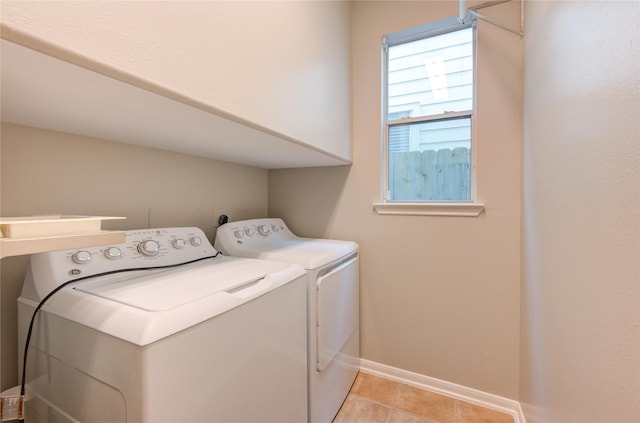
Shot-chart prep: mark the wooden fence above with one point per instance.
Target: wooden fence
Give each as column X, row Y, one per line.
column 429, row 175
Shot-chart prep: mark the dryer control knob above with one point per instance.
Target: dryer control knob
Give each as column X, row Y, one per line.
column 178, row 243
column 196, row 241
column 275, row 228
column 81, row 257
column 263, row 230
column 249, row 232
column 149, row 248
column 238, row 234
column 113, row 253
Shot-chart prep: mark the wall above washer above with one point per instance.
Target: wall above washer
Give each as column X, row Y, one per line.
column 210, row 79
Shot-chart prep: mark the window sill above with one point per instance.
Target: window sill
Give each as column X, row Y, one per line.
column 430, row 209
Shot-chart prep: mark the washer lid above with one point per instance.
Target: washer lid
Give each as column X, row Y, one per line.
column 166, row 289
column 143, row 307
column 307, row 252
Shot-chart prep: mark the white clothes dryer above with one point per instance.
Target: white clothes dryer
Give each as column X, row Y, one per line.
column 162, row 328
column 333, row 302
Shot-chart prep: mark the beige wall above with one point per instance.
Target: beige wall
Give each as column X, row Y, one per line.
column 439, row 295
column 50, row 172
column 581, row 291
column 278, row 64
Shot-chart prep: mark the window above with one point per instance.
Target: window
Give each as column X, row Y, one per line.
column 428, row 116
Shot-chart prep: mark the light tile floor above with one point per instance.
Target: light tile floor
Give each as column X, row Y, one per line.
column 373, row 399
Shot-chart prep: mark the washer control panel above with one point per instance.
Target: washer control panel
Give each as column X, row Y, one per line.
column 144, row 248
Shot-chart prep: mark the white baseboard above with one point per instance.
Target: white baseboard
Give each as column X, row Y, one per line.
column 449, row 389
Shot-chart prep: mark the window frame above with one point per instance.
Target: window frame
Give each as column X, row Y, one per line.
column 428, row 207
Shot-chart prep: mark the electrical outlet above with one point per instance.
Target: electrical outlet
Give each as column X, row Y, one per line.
column 11, row 407
column 220, row 212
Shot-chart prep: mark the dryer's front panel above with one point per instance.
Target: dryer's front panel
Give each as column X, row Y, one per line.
column 337, row 311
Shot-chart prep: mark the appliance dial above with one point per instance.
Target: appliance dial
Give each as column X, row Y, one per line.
column 249, row 232
column 263, row 230
column 149, row 248
column 178, row 243
column 81, row 257
column 113, row 253
column 275, row 228
column 238, row 234
column 196, row 241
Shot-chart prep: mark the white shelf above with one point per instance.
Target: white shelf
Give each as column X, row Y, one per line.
column 47, row 87
column 37, row 234
column 20, row 246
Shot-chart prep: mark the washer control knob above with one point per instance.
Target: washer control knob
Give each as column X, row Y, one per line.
column 196, row 241
column 113, row 253
column 275, row 228
column 249, row 232
column 239, row 234
column 81, row 257
column 149, row 248
column 178, row 243
column 263, row 230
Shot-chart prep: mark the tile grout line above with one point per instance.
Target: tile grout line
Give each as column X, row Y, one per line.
column 389, row 413
column 394, row 401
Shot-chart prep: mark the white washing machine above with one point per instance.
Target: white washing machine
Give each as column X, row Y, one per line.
column 162, row 328
column 333, row 302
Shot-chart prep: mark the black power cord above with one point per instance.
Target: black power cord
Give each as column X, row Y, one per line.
column 59, row 288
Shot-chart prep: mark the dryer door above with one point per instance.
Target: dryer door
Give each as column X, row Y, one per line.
column 337, row 312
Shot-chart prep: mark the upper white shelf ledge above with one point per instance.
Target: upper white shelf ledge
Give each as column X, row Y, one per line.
column 37, row 234
column 430, row 209
column 48, row 87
